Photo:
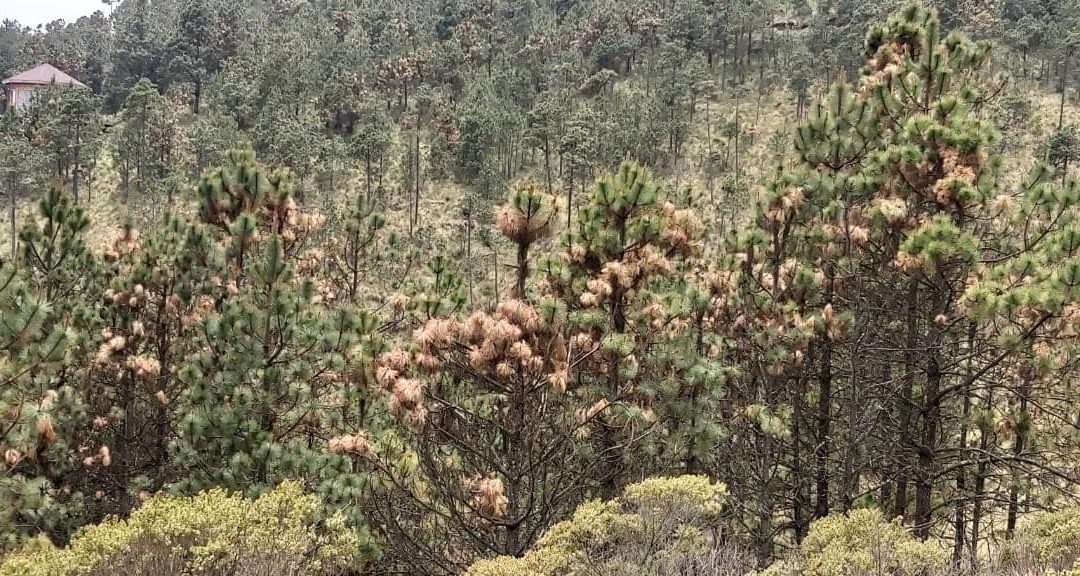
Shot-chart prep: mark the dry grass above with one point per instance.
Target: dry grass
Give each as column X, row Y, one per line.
column 442, row 227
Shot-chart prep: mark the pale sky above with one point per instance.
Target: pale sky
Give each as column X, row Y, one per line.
column 34, row 12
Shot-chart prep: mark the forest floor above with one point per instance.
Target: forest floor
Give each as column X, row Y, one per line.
column 441, row 225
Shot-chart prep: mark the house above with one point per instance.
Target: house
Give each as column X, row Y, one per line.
column 20, row 88
column 790, row 23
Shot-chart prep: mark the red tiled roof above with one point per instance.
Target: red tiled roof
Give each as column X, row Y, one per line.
column 44, row 74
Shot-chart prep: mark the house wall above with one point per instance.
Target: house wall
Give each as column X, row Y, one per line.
column 19, row 95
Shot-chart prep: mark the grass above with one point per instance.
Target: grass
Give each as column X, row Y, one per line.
column 767, row 122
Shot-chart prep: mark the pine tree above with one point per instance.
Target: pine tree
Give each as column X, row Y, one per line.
column 275, row 374
column 53, row 249
column 357, row 254
column 146, row 145
column 897, row 188
column 1063, row 151
column 488, row 456
column 45, row 299
column 615, row 271
column 38, row 414
column 65, row 124
column 155, row 289
column 23, row 168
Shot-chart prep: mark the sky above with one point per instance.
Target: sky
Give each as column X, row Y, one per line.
column 34, row 12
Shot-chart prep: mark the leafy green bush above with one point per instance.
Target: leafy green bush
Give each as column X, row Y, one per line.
column 861, row 543
column 284, row 532
column 650, row 526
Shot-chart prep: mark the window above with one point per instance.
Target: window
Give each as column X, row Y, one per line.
column 23, row 97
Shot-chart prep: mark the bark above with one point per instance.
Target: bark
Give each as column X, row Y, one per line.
column 522, row 271
column 960, row 510
column 904, row 401
column 708, row 144
column 693, row 465
column 801, row 501
column 1064, row 89
column 416, row 177
column 570, row 200
column 196, row 105
column 547, row 164
column 763, row 532
column 737, row 128
column 75, row 167
column 824, row 422
column 887, row 467
column 931, row 421
column 1018, row 449
column 851, row 472
column 981, row 471
column 367, row 175
column 13, row 195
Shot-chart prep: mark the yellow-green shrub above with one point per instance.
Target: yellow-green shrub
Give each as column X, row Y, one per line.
column 861, row 543
column 651, row 522
column 1046, row 540
column 214, row 533
column 1074, row 572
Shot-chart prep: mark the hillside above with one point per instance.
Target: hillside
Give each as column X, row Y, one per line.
column 543, row 287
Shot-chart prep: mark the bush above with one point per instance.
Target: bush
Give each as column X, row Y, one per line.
column 658, row 526
column 861, row 543
column 214, row 533
column 1045, row 541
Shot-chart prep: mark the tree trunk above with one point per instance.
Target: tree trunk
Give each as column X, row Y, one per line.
column 887, row 466
column 737, row 128
column 367, row 175
column 128, row 435
column 13, row 195
column 416, row 177
column 1018, row 449
column 693, row 463
column 903, row 408
column 495, row 257
column 352, row 260
column 960, row 517
column 824, row 422
column 763, row 532
column 852, row 466
column 570, row 200
column 547, row 164
column 522, row 271
column 709, row 152
column 382, row 170
column 985, row 433
column 75, row 166
column 196, row 104
column 931, row 419
column 1064, row 89
column 801, row 501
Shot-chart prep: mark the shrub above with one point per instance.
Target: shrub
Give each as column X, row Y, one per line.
column 214, row 533
column 861, row 543
column 658, row 526
column 1046, row 540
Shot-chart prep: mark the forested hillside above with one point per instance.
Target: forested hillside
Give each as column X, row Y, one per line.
column 543, row 287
